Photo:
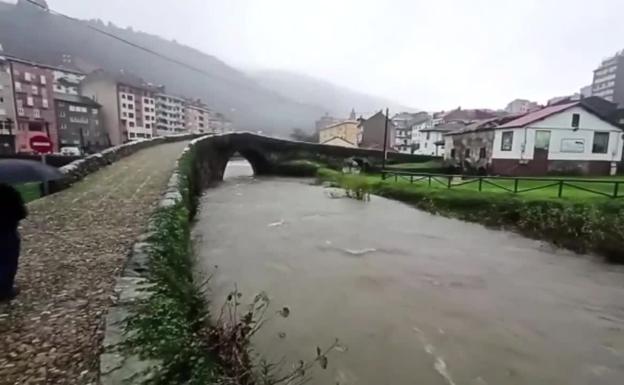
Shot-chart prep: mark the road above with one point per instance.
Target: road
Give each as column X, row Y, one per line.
column 415, row 298
column 75, row 243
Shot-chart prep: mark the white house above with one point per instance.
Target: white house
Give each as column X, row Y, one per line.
column 575, row 137
column 430, row 140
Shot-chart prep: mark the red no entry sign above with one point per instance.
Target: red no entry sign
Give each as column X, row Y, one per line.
column 41, row 144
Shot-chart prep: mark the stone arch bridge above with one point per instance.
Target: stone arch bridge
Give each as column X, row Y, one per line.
column 265, row 154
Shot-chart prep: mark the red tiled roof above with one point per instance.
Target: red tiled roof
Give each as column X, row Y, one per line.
column 537, row 115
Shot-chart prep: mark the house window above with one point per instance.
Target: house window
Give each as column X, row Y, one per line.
column 36, row 113
column 131, row 124
column 601, row 143
column 130, row 115
column 27, row 76
column 576, row 120
column 482, row 153
column 123, row 96
column 467, row 153
column 428, row 135
column 44, row 103
column 507, row 141
column 572, row 145
column 34, row 89
column 30, row 101
column 18, row 86
column 62, row 114
column 43, row 79
column 453, row 153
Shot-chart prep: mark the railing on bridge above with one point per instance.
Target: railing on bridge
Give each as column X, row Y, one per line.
column 515, row 185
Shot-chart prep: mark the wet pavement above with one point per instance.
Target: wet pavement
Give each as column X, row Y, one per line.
column 415, row 298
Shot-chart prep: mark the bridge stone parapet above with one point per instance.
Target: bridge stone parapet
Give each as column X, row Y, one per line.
column 266, row 153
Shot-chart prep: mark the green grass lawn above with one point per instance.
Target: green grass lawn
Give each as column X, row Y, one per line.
column 529, row 189
column 415, row 166
column 29, row 191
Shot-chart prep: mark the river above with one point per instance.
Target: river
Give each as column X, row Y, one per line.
column 415, row 298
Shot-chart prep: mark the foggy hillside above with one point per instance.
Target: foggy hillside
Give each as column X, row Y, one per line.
column 338, row 101
column 31, row 33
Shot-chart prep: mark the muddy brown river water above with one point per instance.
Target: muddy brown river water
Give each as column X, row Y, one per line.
column 415, row 298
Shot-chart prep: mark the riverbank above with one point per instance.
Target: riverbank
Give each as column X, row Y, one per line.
column 595, row 225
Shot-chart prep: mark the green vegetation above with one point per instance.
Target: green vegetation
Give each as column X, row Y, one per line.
column 546, row 189
column 421, row 166
column 587, row 224
column 29, row 191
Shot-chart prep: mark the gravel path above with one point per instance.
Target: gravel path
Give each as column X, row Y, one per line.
column 74, row 245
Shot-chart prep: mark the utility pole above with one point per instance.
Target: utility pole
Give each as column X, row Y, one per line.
column 385, row 142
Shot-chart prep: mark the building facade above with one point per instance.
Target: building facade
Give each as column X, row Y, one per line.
column 608, row 80
column 372, row 132
column 128, row 105
column 67, row 82
column 403, row 132
column 348, row 131
column 431, row 140
column 565, row 138
column 78, row 120
column 169, row 114
column 34, row 103
column 196, row 117
column 7, row 109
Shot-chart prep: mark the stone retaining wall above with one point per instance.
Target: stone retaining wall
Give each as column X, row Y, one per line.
column 116, row 365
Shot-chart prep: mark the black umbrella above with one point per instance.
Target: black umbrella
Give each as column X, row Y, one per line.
column 22, row 171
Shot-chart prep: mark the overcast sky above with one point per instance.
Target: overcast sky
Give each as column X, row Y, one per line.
column 433, row 54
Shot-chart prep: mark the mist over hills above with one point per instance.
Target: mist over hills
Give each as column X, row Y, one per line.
column 272, row 101
column 337, row 101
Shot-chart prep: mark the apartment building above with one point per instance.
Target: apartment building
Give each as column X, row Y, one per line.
column 67, row 82
column 78, row 120
column 170, row 117
column 7, row 109
column 34, row 105
column 128, row 104
column 196, row 117
column 609, row 79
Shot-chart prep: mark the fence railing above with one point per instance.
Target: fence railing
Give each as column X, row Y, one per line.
column 515, row 185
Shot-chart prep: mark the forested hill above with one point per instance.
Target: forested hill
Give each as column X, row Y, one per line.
column 31, row 33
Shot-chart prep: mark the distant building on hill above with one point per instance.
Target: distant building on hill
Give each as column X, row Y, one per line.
column 608, row 80
column 521, row 106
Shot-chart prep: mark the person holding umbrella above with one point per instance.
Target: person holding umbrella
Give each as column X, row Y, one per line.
column 12, row 211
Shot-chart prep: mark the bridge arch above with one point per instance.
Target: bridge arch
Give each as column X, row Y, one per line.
column 266, row 154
